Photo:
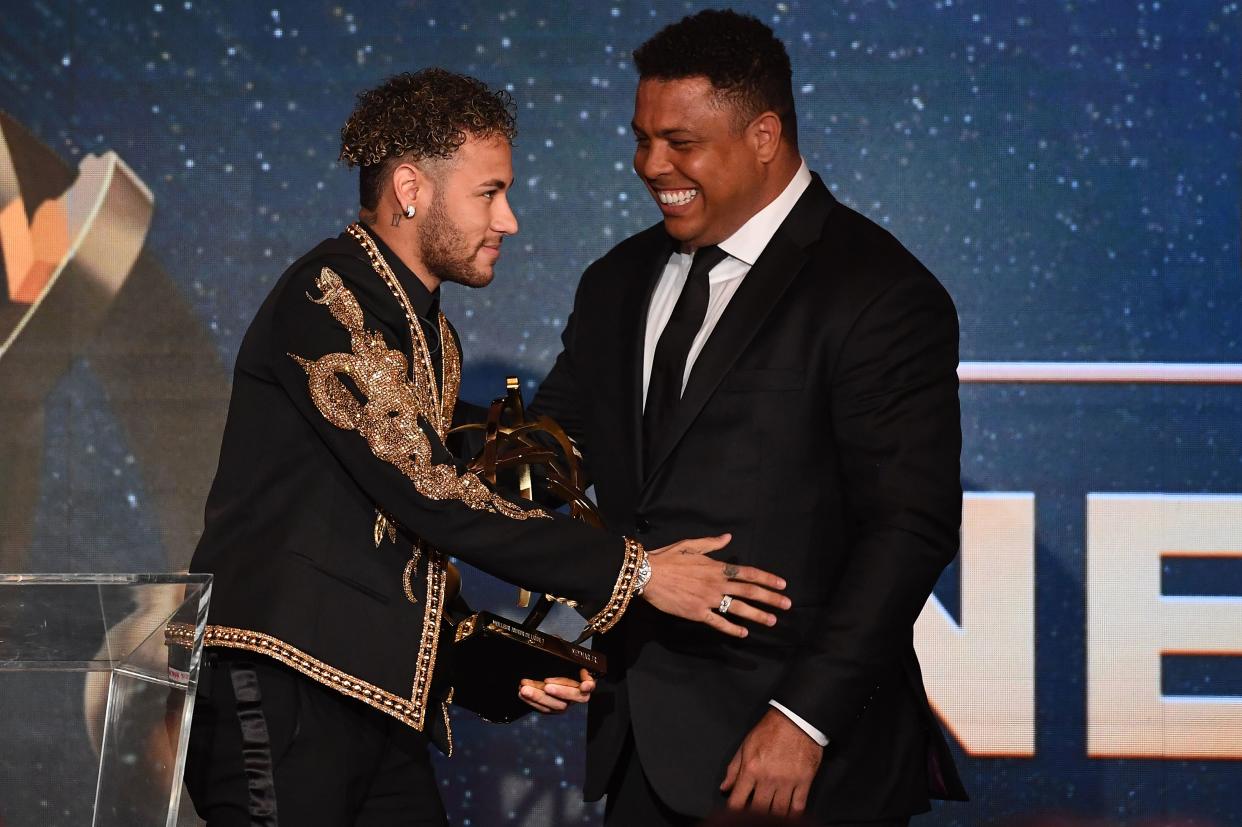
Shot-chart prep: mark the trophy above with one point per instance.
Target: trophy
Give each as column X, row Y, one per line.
column 491, row 654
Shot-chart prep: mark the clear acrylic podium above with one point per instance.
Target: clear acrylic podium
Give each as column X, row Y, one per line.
column 95, row 698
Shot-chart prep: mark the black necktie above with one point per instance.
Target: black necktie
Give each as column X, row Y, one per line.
column 668, row 367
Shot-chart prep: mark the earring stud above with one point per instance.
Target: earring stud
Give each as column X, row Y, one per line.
column 410, row 210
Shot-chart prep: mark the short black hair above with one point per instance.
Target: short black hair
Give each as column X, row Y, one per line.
column 416, row 116
column 743, row 59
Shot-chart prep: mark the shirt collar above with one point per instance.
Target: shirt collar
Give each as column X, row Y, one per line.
column 749, row 241
column 426, row 302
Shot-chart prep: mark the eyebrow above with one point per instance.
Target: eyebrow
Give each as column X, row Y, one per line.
column 663, row 133
column 495, row 182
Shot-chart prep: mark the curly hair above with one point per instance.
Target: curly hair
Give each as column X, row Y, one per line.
column 746, row 64
column 416, row 116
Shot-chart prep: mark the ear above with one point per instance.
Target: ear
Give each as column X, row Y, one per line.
column 764, row 135
column 405, row 181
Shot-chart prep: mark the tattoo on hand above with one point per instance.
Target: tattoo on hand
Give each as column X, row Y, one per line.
column 730, row 571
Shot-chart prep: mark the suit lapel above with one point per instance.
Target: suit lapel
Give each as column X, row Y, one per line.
column 773, row 272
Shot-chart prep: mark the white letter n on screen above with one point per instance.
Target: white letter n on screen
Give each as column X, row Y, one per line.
column 1131, row 624
column 980, row 674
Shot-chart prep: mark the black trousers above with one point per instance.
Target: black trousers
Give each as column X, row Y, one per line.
column 269, row 747
column 633, row 801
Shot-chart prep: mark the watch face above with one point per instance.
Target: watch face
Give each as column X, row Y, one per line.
column 644, row 574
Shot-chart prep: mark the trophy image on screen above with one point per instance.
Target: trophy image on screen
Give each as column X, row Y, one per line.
column 491, row 653
column 80, row 291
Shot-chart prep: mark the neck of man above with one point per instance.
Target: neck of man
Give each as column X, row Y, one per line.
column 780, row 172
column 401, row 239
column 776, row 177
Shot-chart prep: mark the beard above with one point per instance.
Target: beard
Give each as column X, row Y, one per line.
column 446, row 253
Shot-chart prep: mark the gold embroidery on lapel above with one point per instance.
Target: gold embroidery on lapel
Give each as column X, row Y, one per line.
column 451, row 369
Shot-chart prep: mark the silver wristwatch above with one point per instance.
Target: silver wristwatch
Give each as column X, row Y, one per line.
column 643, row 574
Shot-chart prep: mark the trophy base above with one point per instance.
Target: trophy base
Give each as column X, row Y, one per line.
column 492, row 654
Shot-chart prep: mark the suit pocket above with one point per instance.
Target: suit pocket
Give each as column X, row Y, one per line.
column 743, row 380
column 340, row 577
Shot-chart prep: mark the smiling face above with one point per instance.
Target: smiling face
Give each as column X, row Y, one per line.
column 705, row 170
column 469, row 215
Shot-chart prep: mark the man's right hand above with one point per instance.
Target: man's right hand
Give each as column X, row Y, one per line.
column 686, row 583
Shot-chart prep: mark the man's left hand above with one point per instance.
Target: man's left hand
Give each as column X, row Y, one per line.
column 773, row 768
column 554, row 695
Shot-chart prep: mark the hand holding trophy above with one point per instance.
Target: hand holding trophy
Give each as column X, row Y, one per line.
column 493, row 656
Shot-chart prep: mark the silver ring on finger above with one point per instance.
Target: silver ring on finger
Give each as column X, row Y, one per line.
column 725, row 603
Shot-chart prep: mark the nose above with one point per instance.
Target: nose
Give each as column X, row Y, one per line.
column 651, row 160
column 503, row 219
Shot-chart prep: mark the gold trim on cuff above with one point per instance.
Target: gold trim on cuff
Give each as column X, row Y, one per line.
column 622, row 592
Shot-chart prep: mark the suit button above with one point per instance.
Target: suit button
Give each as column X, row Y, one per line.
column 643, row 525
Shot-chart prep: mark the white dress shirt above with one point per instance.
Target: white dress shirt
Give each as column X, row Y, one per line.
column 743, row 249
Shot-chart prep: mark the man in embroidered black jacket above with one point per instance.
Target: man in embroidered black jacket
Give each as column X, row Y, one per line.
column 336, row 504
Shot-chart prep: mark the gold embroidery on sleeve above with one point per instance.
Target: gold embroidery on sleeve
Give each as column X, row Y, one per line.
column 389, row 417
column 383, row 528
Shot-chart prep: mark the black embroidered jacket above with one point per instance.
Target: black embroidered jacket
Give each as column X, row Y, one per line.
column 336, row 504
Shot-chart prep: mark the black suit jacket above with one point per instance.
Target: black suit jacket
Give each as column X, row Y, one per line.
column 290, row 519
column 820, row 426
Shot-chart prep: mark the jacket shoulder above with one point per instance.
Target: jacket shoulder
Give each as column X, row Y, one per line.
column 645, row 242
column 332, row 253
column 290, row 302
column 869, row 258
column 621, row 258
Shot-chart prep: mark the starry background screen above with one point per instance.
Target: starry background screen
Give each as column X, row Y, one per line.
column 1068, row 168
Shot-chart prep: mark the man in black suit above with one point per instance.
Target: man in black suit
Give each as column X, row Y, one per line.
column 336, row 504
column 768, row 363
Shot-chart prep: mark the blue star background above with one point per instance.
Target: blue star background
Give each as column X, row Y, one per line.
column 1068, row 168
